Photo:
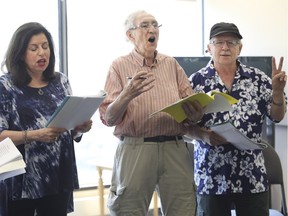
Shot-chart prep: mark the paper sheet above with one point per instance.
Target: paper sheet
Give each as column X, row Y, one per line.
column 235, row 137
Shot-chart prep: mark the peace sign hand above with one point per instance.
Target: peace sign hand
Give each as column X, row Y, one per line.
column 279, row 77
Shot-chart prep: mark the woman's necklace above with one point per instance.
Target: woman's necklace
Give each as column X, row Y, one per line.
column 37, row 85
column 40, row 91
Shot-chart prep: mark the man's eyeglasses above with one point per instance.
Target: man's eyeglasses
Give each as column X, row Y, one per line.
column 146, row 25
column 220, row 43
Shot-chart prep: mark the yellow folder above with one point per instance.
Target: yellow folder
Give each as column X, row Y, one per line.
column 213, row 101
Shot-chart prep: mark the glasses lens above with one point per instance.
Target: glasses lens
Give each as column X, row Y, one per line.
column 230, row 43
column 147, row 25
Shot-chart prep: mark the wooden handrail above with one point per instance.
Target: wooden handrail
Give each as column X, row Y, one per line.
column 101, row 188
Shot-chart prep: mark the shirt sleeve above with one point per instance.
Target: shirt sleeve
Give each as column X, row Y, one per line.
column 6, row 104
column 183, row 82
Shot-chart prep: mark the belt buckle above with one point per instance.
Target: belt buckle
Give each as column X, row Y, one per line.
column 161, row 139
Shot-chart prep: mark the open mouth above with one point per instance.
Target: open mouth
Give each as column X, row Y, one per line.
column 41, row 61
column 151, row 39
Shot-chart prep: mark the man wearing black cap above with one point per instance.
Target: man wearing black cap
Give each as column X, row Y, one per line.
column 225, row 175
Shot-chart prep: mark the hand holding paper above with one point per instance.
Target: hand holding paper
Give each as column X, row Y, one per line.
column 83, row 128
column 75, row 110
column 213, row 102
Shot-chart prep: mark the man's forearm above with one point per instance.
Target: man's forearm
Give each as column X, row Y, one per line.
column 116, row 110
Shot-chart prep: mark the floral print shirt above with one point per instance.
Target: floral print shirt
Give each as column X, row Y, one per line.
column 224, row 169
column 51, row 167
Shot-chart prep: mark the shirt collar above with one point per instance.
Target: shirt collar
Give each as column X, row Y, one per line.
column 141, row 60
column 242, row 70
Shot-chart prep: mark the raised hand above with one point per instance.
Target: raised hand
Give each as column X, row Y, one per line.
column 279, row 77
column 139, row 84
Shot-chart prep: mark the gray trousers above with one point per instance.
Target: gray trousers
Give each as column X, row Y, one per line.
column 141, row 167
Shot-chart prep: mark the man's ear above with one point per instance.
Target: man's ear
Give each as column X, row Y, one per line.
column 240, row 48
column 208, row 50
column 130, row 35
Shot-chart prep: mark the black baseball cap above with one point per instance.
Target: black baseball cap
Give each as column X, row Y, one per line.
column 222, row 27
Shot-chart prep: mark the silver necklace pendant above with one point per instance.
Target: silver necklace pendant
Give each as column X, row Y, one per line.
column 40, row 91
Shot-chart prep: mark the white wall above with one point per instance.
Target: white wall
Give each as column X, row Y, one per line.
column 262, row 23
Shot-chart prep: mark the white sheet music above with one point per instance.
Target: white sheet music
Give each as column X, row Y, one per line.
column 235, row 137
column 75, row 110
column 11, row 160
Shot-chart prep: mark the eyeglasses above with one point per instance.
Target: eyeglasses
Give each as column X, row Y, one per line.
column 220, row 43
column 146, row 25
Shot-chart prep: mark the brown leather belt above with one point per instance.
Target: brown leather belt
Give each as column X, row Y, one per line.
column 159, row 138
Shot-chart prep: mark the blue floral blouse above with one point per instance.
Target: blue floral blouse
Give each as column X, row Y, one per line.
column 51, row 167
column 224, row 169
